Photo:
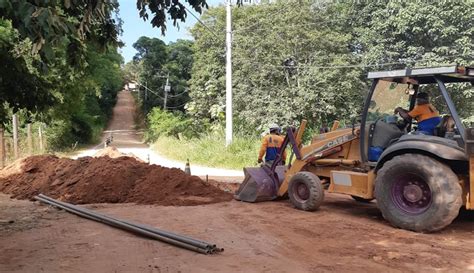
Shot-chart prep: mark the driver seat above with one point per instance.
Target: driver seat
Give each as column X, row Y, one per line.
column 446, row 125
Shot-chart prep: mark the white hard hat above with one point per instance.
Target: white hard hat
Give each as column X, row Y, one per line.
column 274, row 126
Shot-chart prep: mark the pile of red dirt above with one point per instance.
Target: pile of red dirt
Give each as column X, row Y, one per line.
column 107, row 180
column 113, row 152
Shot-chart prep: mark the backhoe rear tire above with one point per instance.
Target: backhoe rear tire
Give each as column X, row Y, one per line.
column 306, row 191
column 417, row 192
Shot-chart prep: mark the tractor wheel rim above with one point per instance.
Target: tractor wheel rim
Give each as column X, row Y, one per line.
column 302, row 191
column 411, row 194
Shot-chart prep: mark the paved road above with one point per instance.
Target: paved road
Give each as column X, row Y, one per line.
column 127, row 139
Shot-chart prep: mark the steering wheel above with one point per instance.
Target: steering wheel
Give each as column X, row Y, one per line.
column 402, row 123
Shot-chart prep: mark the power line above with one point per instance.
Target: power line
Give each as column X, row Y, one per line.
column 151, row 90
column 179, row 106
column 177, row 95
column 169, row 96
column 201, row 22
column 358, row 65
column 158, row 95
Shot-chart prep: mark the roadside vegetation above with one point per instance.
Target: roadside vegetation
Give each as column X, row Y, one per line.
column 293, row 60
column 209, row 151
column 57, row 74
column 60, row 67
column 174, row 136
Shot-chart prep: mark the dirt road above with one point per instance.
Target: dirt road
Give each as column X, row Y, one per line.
column 127, row 139
column 343, row 236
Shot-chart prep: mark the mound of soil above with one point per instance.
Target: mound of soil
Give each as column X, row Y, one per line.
column 113, row 152
column 107, row 180
column 13, row 168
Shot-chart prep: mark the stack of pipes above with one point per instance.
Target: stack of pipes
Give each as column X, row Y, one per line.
column 144, row 230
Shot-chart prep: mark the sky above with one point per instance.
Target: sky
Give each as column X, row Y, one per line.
column 134, row 27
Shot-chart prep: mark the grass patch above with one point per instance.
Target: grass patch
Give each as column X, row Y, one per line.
column 210, row 151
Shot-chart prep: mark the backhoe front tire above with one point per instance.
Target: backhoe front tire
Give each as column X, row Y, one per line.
column 306, row 191
column 417, row 192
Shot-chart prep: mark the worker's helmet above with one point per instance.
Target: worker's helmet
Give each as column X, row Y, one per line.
column 274, row 128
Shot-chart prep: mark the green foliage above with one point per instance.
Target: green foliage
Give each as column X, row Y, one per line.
column 178, row 65
column 209, row 150
column 132, row 70
column 21, row 85
column 418, row 35
column 309, row 59
column 163, row 9
column 72, row 23
column 431, row 34
column 152, row 65
column 164, row 123
column 77, row 22
column 73, row 107
column 45, row 42
column 59, row 92
column 60, row 66
column 280, row 78
column 59, row 135
column 83, row 110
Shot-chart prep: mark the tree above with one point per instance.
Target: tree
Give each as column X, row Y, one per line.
column 309, row 59
column 72, row 22
column 48, row 23
column 158, row 60
column 38, row 36
column 21, row 84
column 281, row 78
column 152, row 55
column 179, row 65
column 131, row 71
column 413, row 35
column 175, row 9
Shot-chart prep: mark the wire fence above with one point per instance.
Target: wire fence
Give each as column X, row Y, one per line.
column 29, row 142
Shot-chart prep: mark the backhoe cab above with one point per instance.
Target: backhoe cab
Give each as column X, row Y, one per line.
column 419, row 181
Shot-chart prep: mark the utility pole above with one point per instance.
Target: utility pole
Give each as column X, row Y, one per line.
column 167, row 90
column 40, row 138
column 29, row 138
column 15, row 136
column 145, row 104
column 228, row 76
column 2, row 148
column 146, row 94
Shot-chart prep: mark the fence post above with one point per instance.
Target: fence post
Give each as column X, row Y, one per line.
column 30, row 139
column 2, row 148
column 15, row 136
column 40, row 137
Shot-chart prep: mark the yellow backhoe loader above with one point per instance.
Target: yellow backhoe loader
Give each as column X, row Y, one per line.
column 419, row 181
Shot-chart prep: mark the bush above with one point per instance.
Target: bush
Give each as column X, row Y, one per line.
column 173, row 124
column 81, row 128
column 209, row 150
column 58, row 135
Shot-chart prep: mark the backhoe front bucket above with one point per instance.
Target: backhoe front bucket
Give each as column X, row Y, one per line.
column 258, row 185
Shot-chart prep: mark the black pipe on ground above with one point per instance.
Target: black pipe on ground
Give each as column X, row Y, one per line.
column 168, row 234
column 168, row 237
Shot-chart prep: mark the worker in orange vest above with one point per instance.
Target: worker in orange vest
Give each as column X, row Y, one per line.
column 424, row 112
column 271, row 146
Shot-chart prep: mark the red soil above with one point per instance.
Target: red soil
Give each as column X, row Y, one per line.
column 107, row 180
